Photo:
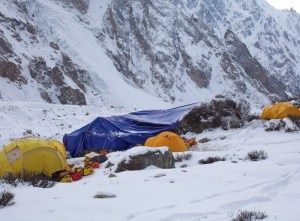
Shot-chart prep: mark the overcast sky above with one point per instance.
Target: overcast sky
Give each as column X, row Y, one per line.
column 285, row 4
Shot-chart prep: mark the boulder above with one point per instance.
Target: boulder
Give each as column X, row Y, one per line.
column 159, row 157
column 221, row 112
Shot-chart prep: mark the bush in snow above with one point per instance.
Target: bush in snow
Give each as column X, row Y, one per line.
column 286, row 124
column 211, row 160
column 30, row 178
column 250, row 216
column 291, row 124
column 183, row 156
column 257, row 155
column 272, row 125
column 219, row 113
column 297, row 123
column 6, row 198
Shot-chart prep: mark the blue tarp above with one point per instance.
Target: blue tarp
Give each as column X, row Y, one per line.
column 119, row 133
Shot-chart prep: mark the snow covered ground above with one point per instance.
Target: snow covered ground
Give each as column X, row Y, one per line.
column 190, row 192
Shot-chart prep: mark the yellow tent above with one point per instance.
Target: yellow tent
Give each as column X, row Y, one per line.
column 169, row 139
column 33, row 155
column 280, row 110
column 59, row 145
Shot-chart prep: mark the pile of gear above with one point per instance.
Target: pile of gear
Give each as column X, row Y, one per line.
column 91, row 161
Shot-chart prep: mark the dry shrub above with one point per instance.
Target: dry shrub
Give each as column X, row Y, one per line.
column 219, row 113
column 250, row 216
column 6, row 198
column 30, row 178
column 210, row 160
column 183, row 156
column 257, row 155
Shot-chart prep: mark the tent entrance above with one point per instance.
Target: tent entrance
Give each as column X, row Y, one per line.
column 14, row 154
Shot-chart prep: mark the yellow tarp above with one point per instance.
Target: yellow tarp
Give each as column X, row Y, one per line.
column 169, row 139
column 280, row 110
column 33, row 155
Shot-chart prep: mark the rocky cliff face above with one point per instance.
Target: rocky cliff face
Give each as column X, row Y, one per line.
column 251, row 67
column 179, row 51
column 150, row 48
column 271, row 36
column 176, row 46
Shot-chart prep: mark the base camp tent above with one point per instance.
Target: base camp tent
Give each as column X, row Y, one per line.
column 280, row 110
column 118, row 133
column 33, row 155
column 168, row 139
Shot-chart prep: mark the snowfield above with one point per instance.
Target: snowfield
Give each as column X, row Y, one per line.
column 189, row 192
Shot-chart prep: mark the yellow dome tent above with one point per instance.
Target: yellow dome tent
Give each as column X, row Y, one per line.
column 59, row 145
column 33, row 155
column 169, row 139
column 280, row 110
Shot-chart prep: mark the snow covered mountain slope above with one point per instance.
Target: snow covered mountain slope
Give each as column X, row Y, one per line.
column 183, row 48
column 117, row 52
column 32, row 67
column 48, row 55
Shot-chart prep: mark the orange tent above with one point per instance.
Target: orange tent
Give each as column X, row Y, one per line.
column 280, row 110
column 169, row 139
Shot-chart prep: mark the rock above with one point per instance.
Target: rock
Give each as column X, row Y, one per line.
column 70, row 95
column 223, row 112
column 204, row 140
column 164, row 160
column 105, row 195
column 12, row 72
